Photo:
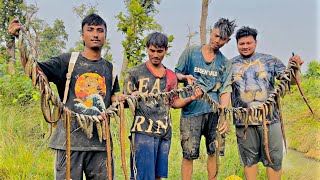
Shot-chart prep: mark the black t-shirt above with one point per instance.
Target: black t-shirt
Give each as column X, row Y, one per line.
column 91, row 87
column 151, row 117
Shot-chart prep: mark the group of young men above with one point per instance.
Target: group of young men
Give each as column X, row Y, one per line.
column 247, row 80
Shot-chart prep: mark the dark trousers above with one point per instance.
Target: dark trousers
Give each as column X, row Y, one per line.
column 90, row 163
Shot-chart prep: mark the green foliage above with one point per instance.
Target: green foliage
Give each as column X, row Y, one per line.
column 78, row 47
column 311, row 80
column 9, row 9
column 83, row 10
column 313, row 69
column 303, row 128
column 52, row 40
column 106, row 51
column 311, row 87
column 3, row 56
column 133, row 26
column 148, row 5
column 46, row 40
column 17, row 88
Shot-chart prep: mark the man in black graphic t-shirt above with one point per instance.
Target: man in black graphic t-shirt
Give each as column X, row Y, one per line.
column 151, row 128
column 91, row 89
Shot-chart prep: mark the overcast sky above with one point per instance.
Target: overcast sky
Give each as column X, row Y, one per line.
column 284, row 26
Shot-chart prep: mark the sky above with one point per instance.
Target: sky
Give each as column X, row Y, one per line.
column 284, row 26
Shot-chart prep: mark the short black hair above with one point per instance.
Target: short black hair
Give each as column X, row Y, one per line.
column 93, row 19
column 226, row 27
column 246, row 31
column 157, row 40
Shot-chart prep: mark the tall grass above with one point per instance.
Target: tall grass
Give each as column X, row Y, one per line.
column 23, row 152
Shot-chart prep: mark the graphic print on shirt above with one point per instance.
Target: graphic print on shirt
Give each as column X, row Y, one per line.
column 207, row 79
column 145, row 122
column 152, row 117
column 251, row 81
column 90, row 90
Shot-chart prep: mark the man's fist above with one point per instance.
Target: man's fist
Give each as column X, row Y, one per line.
column 14, row 27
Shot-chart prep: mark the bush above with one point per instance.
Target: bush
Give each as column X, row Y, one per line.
column 16, row 88
column 313, row 69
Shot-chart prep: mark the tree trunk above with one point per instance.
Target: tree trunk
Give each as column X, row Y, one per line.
column 203, row 21
column 124, row 67
column 12, row 57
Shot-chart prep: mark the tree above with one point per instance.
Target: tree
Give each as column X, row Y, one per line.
column 9, row 9
column 33, row 27
column 52, row 40
column 313, row 69
column 138, row 21
column 83, row 10
column 203, row 21
column 190, row 36
column 149, row 5
column 46, row 41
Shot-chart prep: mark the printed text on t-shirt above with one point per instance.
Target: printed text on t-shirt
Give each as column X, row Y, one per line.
column 205, row 72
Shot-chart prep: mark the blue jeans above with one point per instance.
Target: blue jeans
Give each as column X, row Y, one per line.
column 149, row 157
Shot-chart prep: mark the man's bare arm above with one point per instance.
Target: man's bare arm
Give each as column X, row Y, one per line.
column 181, row 102
column 186, row 78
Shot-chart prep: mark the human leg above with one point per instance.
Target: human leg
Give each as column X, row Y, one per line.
column 273, row 174
column 249, row 149
column 142, row 159
column 186, row 169
column 275, row 151
column 251, row 172
column 76, row 161
column 211, row 167
column 162, row 153
column 190, row 136
column 209, row 131
column 95, row 165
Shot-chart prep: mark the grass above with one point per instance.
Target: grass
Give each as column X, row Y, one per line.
column 304, row 132
column 24, row 153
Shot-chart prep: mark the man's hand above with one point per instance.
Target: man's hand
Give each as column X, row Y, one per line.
column 197, row 94
column 297, row 59
column 135, row 93
column 224, row 128
column 186, row 78
column 190, row 79
column 14, row 27
column 121, row 97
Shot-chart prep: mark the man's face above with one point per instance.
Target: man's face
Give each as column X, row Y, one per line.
column 94, row 36
column 247, row 46
column 216, row 41
column 156, row 55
